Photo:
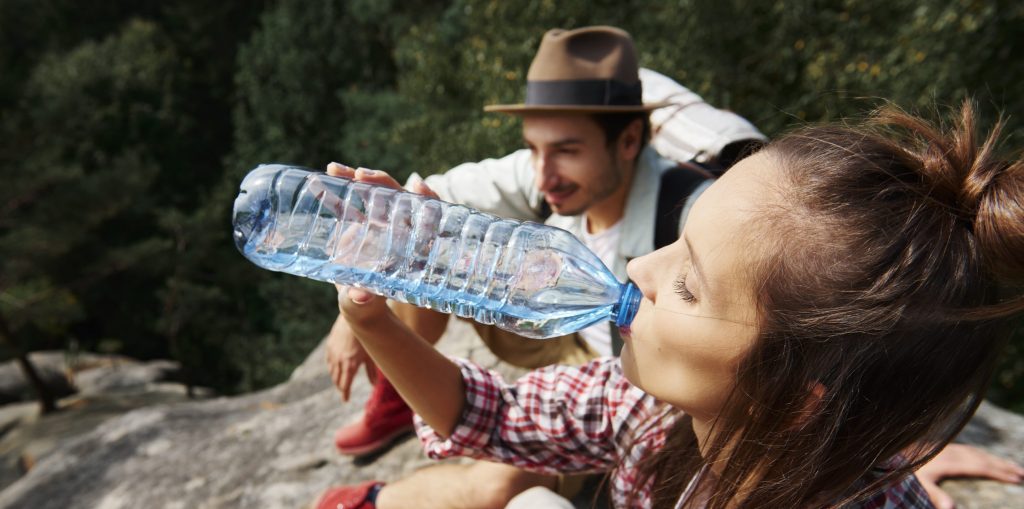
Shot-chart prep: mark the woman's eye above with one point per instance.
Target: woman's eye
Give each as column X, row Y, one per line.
column 683, row 292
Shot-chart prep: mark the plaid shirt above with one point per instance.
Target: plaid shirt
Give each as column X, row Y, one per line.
column 578, row 419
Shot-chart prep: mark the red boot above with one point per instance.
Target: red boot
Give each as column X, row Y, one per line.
column 359, row 496
column 385, row 418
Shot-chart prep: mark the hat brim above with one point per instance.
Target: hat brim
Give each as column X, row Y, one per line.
column 523, row 109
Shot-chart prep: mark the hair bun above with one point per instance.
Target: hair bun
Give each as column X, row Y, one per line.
column 967, row 177
column 991, row 194
column 999, row 220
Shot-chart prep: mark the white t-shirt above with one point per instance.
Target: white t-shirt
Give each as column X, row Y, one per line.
column 605, row 246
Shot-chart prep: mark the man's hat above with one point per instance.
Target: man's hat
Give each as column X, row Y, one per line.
column 587, row 70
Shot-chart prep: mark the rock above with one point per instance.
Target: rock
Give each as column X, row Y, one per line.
column 273, row 449
column 16, row 460
column 1001, row 433
column 109, row 386
column 66, row 374
column 125, row 376
column 268, row 449
column 51, row 369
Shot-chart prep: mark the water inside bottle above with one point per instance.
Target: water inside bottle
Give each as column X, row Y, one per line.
column 528, row 278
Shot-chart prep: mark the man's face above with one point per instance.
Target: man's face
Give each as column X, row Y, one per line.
column 576, row 168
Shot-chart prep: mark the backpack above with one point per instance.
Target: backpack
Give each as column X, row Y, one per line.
column 691, row 130
column 705, row 141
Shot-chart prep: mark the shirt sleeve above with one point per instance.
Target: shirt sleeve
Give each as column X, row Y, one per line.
column 560, row 419
column 503, row 187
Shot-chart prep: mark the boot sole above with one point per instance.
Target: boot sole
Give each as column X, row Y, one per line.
column 376, row 445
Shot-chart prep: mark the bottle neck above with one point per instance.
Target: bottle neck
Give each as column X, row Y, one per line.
column 629, row 302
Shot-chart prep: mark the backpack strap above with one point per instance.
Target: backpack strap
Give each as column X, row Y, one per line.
column 677, row 184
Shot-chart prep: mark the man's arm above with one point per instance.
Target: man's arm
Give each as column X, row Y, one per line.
column 503, row 187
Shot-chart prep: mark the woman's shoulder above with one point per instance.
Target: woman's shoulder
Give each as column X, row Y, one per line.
column 602, row 375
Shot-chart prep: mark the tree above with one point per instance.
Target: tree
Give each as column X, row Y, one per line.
column 72, row 227
column 314, row 83
column 117, row 120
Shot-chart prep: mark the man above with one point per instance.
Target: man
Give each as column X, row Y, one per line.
column 586, row 169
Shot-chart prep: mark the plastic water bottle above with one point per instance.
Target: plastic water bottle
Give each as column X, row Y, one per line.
column 535, row 280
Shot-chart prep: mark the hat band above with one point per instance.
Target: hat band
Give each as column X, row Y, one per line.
column 583, row 93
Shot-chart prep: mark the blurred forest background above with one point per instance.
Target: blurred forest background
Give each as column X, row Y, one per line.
column 126, row 126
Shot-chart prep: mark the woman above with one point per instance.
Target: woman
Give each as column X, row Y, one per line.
column 835, row 308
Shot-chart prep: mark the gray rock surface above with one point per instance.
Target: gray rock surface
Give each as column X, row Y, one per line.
column 1000, row 433
column 50, row 367
column 267, row 449
column 126, row 376
column 272, row 449
column 109, row 386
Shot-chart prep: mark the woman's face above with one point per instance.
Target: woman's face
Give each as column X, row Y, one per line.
column 696, row 320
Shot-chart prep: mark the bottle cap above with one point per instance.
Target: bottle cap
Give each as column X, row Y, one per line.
column 629, row 303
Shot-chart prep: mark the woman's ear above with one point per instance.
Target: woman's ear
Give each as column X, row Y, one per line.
column 812, row 404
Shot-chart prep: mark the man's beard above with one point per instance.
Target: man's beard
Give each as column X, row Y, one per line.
column 610, row 179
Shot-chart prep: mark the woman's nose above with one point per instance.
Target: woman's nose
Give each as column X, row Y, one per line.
column 638, row 273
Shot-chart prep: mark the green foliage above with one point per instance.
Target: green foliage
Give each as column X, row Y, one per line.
column 125, row 128
column 87, row 128
column 97, row 142
column 302, row 78
column 1008, row 385
column 291, row 79
column 774, row 62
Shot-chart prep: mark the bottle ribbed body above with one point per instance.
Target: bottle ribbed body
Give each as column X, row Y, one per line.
column 528, row 278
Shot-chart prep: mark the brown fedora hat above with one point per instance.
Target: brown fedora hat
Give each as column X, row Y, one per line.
column 586, row 70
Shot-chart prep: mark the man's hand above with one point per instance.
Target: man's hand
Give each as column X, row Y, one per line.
column 345, row 356
column 958, row 460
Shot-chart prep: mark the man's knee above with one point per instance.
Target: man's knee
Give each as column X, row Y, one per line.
column 531, row 354
column 493, row 485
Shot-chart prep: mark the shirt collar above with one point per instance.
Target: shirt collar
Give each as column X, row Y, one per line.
column 638, row 220
column 641, row 206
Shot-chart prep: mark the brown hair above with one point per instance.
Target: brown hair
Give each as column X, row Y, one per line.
column 613, row 124
column 891, row 289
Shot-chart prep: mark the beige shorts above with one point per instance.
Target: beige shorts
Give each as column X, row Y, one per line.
column 534, row 353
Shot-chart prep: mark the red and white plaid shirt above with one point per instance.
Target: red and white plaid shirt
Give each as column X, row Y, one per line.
column 578, row 419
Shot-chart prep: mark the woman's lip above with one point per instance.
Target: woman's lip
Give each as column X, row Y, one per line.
column 625, row 332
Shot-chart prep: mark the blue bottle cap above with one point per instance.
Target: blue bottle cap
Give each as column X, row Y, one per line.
column 629, row 303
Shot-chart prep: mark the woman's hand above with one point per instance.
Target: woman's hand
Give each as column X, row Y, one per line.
column 367, row 329
column 376, row 177
column 344, row 353
column 364, row 311
column 958, row 460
